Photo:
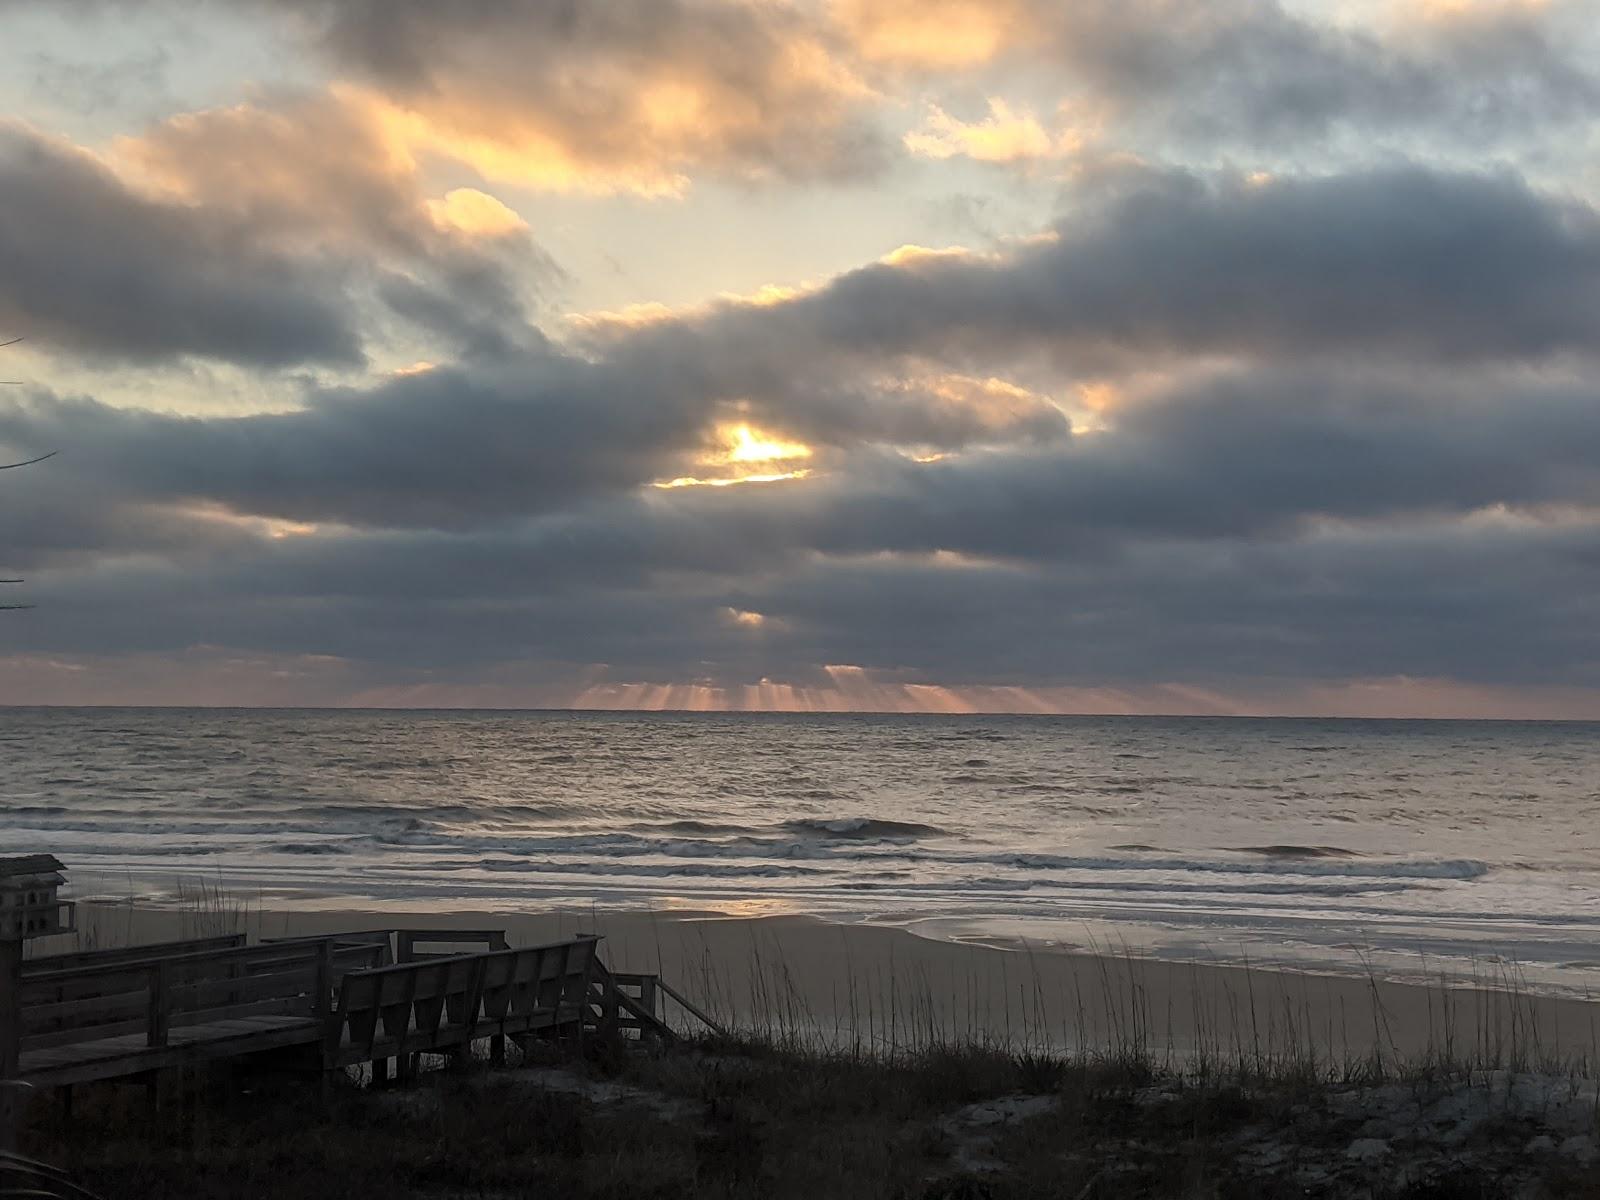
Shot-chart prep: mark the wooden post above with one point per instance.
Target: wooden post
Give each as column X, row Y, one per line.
column 324, row 1004
column 648, row 1000
column 10, row 1041
column 156, row 1013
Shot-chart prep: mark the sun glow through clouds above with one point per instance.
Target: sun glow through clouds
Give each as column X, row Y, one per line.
column 743, row 454
column 745, row 445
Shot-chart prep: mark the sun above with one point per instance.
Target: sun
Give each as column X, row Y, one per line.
column 742, row 444
column 741, row 453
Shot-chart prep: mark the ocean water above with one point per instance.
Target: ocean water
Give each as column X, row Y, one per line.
column 1408, row 845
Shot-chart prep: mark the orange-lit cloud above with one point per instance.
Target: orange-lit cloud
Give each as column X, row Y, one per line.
column 932, row 34
column 1006, row 135
column 305, row 169
column 470, row 211
column 636, row 97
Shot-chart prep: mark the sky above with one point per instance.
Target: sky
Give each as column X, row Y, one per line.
column 1121, row 356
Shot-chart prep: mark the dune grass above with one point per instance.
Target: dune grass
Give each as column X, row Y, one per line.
column 743, row 1117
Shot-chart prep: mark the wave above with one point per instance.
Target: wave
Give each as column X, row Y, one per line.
column 309, row 848
column 861, row 828
column 655, row 870
column 1292, row 851
column 880, row 881
column 1452, row 868
column 692, row 826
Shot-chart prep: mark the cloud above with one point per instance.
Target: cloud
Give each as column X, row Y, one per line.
column 260, row 235
column 932, row 34
column 96, row 266
column 1264, row 76
column 1345, row 426
column 1397, row 262
column 319, row 177
column 631, row 95
column 1006, row 135
column 899, row 361
column 1254, row 525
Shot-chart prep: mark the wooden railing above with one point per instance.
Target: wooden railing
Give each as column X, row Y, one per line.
column 109, row 1013
column 447, row 1003
column 404, row 943
column 126, row 954
column 154, row 995
column 630, row 1000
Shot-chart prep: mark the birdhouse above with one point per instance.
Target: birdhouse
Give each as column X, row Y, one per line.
column 30, row 898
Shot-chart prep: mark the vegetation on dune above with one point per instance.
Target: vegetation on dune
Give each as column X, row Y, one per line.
column 736, row 1118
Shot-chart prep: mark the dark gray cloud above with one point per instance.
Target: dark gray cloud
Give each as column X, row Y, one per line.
column 1404, row 266
column 1261, row 75
column 93, row 266
column 1399, row 263
column 441, row 448
column 1478, row 601
column 268, row 236
column 1266, row 524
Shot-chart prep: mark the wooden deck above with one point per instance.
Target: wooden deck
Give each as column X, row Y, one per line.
column 362, row 997
column 130, row 1054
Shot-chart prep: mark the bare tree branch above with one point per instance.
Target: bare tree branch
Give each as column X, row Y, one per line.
column 29, row 463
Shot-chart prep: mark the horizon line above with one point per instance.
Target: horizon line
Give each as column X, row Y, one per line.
column 801, row 712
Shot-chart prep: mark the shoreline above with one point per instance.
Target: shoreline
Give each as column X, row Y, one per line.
column 1417, row 951
column 888, row 987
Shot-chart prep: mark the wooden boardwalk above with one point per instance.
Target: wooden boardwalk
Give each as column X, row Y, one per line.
column 373, row 997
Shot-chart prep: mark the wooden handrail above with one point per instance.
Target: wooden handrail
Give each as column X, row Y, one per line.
column 678, row 996
column 270, row 952
column 449, row 958
column 114, row 956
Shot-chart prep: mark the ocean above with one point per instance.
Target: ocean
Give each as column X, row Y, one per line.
column 1398, row 846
